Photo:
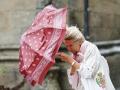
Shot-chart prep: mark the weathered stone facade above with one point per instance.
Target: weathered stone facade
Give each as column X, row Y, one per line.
column 104, row 18
column 17, row 15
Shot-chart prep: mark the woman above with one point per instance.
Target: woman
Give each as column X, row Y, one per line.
column 89, row 70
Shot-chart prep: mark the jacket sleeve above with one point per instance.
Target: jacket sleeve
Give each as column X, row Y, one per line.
column 91, row 61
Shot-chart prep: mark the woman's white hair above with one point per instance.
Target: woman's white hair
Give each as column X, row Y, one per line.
column 73, row 33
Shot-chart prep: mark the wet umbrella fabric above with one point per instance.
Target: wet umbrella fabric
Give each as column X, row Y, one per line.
column 40, row 43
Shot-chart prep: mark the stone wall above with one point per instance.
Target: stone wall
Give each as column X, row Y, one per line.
column 17, row 15
column 104, row 18
column 114, row 64
column 15, row 18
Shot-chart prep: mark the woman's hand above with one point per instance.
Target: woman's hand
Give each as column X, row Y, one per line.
column 70, row 60
column 65, row 57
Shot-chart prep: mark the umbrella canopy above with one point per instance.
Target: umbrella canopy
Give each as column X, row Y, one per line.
column 40, row 43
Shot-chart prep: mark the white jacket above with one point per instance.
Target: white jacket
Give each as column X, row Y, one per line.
column 93, row 73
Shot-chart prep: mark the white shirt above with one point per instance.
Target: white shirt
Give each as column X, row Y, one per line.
column 93, row 73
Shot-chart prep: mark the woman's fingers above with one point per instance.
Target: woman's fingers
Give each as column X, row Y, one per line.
column 63, row 56
column 58, row 54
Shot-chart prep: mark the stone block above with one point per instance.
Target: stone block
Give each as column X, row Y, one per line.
column 95, row 20
column 76, row 18
column 114, row 63
column 107, row 20
column 14, row 24
column 105, row 6
column 6, row 5
column 10, row 77
column 100, row 34
column 4, row 24
column 116, row 21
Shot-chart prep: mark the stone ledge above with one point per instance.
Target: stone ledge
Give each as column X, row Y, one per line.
column 105, row 43
column 10, row 52
column 8, row 46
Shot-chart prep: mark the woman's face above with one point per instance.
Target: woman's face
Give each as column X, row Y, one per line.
column 72, row 46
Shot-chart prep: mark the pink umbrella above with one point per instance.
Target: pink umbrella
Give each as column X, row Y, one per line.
column 41, row 42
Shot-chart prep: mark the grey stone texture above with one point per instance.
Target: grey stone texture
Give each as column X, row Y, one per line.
column 104, row 18
column 17, row 15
